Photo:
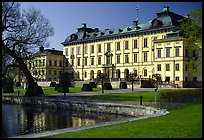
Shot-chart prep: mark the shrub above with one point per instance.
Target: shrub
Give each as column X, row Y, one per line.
column 87, row 87
column 52, row 84
column 8, row 89
column 56, row 86
column 18, row 84
column 93, row 84
column 107, row 86
column 39, row 90
column 62, row 89
column 123, row 85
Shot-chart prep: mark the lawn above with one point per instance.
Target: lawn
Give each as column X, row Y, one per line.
column 51, row 90
column 133, row 96
column 182, row 122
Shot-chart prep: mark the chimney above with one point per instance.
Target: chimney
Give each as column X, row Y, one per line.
column 96, row 30
column 84, row 25
column 166, row 9
column 135, row 23
column 41, row 49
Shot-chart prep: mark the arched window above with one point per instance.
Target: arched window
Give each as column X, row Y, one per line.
column 145, row 72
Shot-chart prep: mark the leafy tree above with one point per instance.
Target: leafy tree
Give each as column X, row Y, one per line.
column 22, row 32
column 191, row 30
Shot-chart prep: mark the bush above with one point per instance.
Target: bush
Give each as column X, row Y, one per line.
column 62, row 89
column 87, row 87
column 107, row 86
column 189, row 95
column 8, row 89
column 123, row 85
column 52, row 84
column 93, row 84
column 18, row 84
column 39, row 90
column 56, row 86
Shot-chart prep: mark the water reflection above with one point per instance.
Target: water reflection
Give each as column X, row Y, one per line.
column 21, row 120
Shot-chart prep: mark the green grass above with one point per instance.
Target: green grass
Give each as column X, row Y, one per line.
column 51, row 90
column 133, row 96
column 182, row 122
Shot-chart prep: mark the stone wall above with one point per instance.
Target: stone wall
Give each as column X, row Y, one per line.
column 132, row 110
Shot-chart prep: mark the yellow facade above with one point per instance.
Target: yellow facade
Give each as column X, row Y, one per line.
column 155, row 47
column 46, row 66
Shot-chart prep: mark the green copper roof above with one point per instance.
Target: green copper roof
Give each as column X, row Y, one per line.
column 47, row 52
column 163, row 19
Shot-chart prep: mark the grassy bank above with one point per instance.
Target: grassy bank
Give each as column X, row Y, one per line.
column 182, row 122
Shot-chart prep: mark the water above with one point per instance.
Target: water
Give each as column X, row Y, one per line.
column 20, row 119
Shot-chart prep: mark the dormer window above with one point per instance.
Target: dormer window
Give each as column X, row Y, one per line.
column 129, row 29
column 120, row 30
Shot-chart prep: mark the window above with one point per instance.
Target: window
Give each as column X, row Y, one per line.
column 78, row 62
column 135, row 44
column 159, row 53
column 43, row 63
column 50, row 62
column 66, row 51
column 92, row 48
column 85, row 61
column 99, row 60
column 72, row 62
column 145, row 72
column 60, row 63
column 55, row 63
column 50, row 72
column 126, row 58
column 92, row 61
column 72, row 51
column 126, row 45
column 55, row 72
column 167, row 52
column 177, row 52
column 177, row 67
column 60, row 72
column 167, row 67
column 67, row 62
column 78, row 50
column 118, row 59
column 117, row 46
column 85, row 74
column 135, row 57
column 99, row 47
column 186, row 68
column 177, row 78
column 40, row 63
column 145, row 42
column 145, row 57
column 159, row 67
column 85, row 50
column 108, row 47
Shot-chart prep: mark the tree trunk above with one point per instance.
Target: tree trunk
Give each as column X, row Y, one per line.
column 32, row 87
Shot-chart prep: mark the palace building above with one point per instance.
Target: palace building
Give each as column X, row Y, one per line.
column 154, row 47
column 47, row 64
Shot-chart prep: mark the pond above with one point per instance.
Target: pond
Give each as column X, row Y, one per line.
column 20, row 119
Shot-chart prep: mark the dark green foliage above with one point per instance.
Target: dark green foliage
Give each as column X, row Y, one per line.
column 107, row 86
column 93, row 84
column 8, row 89
column 63, row 89
column 56, row 86
column 18, row 84
column 65, row 79
column 123, row 85
column 52, row 84
column 186, row 95
column 39, row 90
column 147, row 84
column 87, row 87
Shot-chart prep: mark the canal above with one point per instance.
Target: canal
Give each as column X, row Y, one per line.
column 24, row 119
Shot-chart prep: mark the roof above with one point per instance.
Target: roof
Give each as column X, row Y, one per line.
column 163, row 19
column 48, row 52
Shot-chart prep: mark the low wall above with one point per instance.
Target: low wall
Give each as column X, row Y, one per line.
column 132, row 110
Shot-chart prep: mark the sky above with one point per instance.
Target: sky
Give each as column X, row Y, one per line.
column 66, row 17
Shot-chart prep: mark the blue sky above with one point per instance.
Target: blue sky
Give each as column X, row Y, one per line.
column 66, row 17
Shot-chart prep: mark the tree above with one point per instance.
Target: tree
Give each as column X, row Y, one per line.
column 22, row 32
column 191, row 30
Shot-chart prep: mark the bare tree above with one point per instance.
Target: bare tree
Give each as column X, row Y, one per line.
column 22, row 33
